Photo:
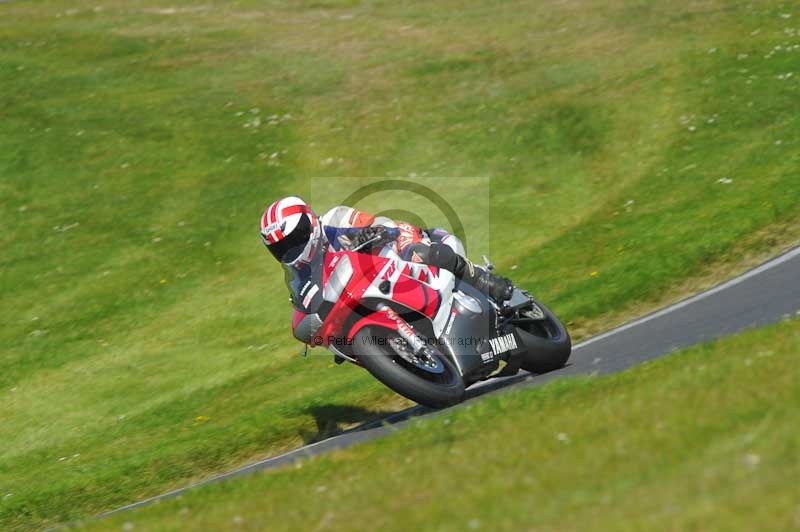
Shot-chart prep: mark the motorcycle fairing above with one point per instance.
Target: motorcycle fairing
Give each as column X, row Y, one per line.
column 462, row 319
column 468, row 328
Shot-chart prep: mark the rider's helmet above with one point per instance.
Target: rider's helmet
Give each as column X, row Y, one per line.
column 291, row 231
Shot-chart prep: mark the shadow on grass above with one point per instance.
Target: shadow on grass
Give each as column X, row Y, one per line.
column 334, row 419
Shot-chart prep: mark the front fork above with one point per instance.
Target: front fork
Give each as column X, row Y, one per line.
column 404, row 330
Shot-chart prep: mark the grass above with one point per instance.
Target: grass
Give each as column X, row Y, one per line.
column 144, row 329
column 704, row 439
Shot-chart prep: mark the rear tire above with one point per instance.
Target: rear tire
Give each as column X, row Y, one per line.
column 435, row 391
column 547, row 341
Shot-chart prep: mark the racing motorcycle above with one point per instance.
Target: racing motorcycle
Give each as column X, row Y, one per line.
column 416, row 328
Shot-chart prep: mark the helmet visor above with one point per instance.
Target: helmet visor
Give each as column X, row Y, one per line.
column 292, row 245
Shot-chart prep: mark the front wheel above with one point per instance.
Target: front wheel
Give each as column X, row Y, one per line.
column 432, row 381
column 545, row 337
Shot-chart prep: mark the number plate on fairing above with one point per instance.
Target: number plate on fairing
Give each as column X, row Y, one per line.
column 485, row 351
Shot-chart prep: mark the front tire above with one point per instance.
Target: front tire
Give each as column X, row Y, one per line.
column 433, row 390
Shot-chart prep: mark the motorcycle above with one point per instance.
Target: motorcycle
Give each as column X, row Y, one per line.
column 416, row 328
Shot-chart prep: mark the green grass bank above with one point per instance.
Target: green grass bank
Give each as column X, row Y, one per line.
column 624, row 146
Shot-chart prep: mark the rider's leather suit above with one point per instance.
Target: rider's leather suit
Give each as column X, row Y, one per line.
column 433, row 246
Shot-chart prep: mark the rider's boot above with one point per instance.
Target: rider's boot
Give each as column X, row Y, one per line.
column 495, row 286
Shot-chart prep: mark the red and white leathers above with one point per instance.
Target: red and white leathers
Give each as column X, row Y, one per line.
column 435, row 247
column 409, row 242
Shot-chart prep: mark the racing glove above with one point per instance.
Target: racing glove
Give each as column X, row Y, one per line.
column 368, row 238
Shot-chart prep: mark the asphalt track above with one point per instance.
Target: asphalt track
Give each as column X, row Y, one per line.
column 766, row 294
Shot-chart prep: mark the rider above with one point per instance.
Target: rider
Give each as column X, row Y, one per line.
column 293, row 234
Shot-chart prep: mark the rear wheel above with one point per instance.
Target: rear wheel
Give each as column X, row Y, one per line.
column 431, row 379
column 546, row 339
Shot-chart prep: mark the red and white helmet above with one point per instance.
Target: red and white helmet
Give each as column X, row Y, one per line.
column 291, row 231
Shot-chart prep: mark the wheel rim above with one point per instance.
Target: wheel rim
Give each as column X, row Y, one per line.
column 425, row 361
column 445, row 376
column 535, row 312
column 538, row 323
